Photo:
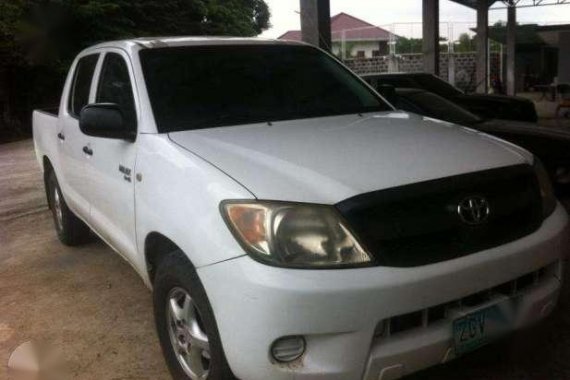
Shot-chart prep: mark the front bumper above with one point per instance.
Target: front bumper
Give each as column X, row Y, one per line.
column 339, row 311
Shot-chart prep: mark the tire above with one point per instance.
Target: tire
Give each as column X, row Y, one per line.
column 176, row 281
column 70, row 229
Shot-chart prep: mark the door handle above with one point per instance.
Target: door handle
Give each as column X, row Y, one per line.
column 61, row 136
column 87, row 150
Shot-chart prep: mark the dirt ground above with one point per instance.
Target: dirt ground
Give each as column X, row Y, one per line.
column 85, row 301
column 90, row 305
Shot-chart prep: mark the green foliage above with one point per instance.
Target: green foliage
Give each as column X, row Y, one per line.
column 414, row 45
column 10, row 26
column 39, row 38
column 408, row 45
column 464, row 44
column 48, row 31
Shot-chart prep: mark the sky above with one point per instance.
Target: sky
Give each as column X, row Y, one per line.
column 405, row 16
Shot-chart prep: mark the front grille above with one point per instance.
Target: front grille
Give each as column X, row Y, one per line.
column 418, row 224
column 429, row 316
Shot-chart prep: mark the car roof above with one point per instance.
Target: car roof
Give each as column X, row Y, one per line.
column 398, row 74
column 174, row 41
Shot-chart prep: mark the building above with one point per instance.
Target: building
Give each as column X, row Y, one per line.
column 352, row 37
column 542, row 56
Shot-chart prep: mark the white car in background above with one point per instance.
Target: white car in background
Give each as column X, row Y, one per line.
column 290, row 222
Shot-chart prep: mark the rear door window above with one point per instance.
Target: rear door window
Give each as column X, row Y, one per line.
column 79, row 92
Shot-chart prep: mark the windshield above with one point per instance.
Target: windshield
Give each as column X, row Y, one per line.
column 435, row 106
column 196, row 87
column 436, row 85
column 424, row 81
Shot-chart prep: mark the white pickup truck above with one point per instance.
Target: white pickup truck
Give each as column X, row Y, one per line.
column 291, row 223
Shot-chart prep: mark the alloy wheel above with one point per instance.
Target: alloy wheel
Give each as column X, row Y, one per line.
column 57, row 209
column 187, row 336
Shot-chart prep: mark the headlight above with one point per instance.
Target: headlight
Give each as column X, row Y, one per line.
column 546, row 192
column 293, row 235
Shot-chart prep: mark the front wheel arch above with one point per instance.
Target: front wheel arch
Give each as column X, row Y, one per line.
column 175, row 271
column 156, row 247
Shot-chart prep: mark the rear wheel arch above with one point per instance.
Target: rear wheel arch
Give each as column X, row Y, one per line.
column 48, row 169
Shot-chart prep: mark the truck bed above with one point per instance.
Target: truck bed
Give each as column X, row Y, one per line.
column 45, row 125
column 52, row 111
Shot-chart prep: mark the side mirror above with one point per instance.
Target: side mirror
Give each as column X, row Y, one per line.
column 105, row 120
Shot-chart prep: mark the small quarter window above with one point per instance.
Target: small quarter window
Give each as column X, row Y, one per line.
column 79, row 93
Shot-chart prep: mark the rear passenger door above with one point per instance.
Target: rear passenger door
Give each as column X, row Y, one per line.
column 72, row 176
column 111, row 166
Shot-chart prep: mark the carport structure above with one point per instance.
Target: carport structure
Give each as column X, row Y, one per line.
column 315, row 29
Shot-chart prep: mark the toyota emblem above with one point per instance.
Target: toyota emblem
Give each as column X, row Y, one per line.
column 474, row 210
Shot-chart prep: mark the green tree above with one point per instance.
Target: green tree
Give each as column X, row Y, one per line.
column 414, row 45
column 408, row 45
column 465, row 43
column 39, row 38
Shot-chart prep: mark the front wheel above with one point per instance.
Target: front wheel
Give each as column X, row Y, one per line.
column 185, row 323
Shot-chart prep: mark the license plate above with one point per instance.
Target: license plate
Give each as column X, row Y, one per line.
column 478, row 328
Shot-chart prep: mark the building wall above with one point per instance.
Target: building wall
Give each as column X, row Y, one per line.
column 368, row 47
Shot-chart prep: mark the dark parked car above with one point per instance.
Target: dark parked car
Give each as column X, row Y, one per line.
column 484, row 105
column 551, row 145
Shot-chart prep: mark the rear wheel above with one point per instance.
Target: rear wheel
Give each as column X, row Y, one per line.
column 70, row 229
column 185, row 323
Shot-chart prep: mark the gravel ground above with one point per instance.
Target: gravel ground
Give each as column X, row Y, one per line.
column 90, row 306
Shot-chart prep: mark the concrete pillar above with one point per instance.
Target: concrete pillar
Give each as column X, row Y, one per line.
column 450, row 55
column 393, row 64
column 482, row 45
column 316, row 23
column 564, row 57
column 511, row 49
column 451, row 67
column 430, row 35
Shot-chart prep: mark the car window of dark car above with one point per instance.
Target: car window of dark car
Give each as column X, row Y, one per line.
column 406, row 105
column 396, row 81
column 426, row 82
column 436, row 85
column 437, row 107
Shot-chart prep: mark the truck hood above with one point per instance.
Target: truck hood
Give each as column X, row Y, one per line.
column 326, row 160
